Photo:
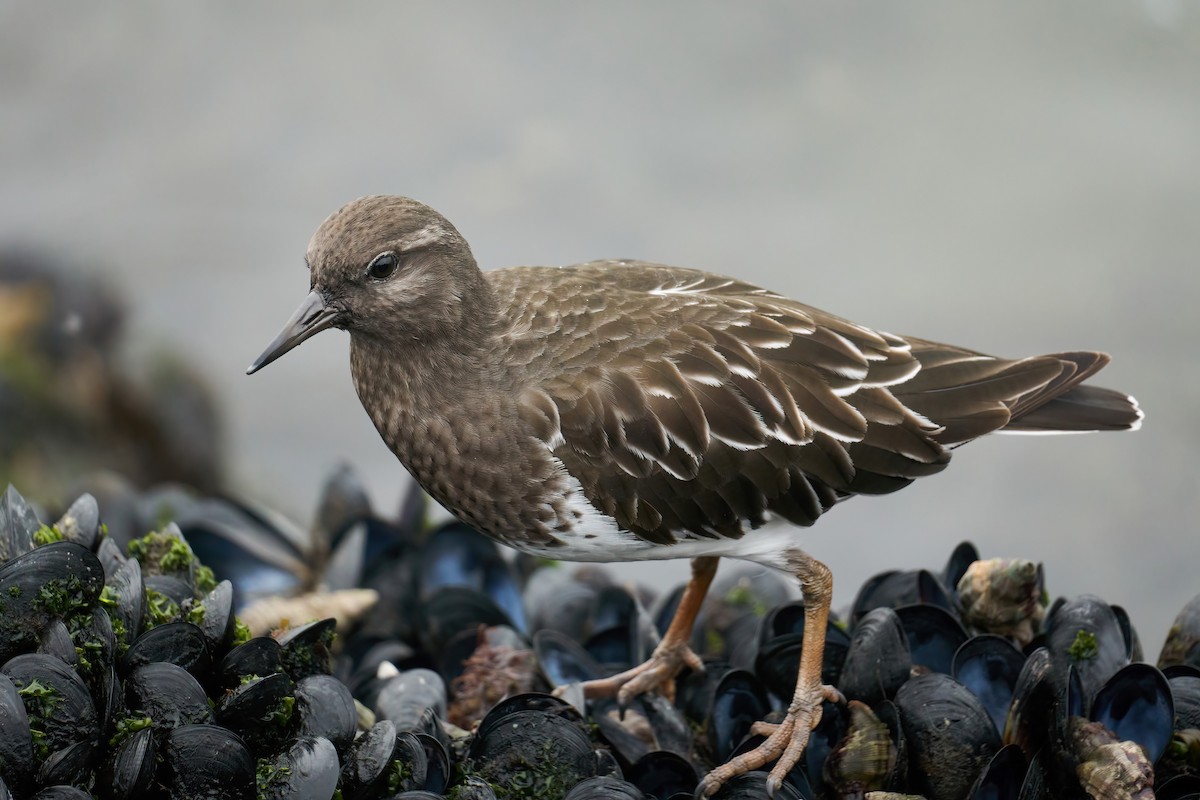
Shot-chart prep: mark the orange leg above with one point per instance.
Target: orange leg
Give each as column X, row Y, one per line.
column 786, row 740
column 672, row 653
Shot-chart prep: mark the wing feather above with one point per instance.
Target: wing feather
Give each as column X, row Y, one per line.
column 694, row 405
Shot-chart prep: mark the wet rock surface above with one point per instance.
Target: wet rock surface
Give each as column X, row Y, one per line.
column 126, row 673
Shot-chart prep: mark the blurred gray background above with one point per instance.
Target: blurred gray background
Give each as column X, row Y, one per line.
column 1013, row 177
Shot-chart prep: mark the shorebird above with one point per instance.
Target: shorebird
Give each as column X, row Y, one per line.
column 622, row 410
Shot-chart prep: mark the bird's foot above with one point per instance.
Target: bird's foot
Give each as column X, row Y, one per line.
column 785, row 742
column 658, row 672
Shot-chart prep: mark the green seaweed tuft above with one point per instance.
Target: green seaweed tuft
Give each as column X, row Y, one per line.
column 1084, row 647
column 46, row 534
column 40, row 702
column 128, row 726
column 241, row 632
column 269, row 772
column 160, row 609
column 62, row 597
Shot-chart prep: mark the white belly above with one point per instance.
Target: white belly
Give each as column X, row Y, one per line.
column 596, row 537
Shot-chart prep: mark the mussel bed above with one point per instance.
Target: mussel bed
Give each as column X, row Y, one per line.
column 126, row 672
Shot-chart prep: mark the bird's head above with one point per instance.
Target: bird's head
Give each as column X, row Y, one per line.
column 384, row 267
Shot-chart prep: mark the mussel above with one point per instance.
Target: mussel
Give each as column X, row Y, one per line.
column 950, row 736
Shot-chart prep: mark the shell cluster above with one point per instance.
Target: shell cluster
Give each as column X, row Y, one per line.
column 409, row 662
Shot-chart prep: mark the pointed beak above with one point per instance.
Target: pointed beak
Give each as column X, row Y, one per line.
column 312, row 317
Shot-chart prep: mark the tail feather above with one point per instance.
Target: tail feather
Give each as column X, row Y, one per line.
column 1083, row 409
column 970, row 394
column 1076, row 367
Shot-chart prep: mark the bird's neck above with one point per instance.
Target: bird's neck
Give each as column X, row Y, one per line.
column 426, row 374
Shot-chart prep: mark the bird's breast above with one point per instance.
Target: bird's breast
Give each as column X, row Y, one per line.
column 474, row 455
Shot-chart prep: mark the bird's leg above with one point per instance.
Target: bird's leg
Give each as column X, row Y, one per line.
column 672, row 653
column 786, row 740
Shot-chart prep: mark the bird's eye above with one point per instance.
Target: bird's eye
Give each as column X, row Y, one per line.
column 382, row 266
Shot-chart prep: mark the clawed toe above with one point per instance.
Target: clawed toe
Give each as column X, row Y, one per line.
column 672, row 654
column 832, row 694
column 657, row 673
column 784, row 745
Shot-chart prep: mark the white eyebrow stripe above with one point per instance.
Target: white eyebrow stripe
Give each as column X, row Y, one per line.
column 431, row 234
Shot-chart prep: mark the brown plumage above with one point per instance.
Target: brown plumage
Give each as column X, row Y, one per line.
column 622, row 410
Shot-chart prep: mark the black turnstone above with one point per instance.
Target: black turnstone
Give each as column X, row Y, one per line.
column 620, row 410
